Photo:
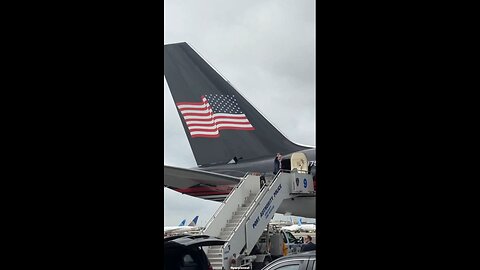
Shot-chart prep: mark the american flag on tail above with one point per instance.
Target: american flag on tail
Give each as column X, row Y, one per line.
column 214, row 113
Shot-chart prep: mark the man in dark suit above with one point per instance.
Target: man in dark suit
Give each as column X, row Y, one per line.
column 309, row 245
column 277, row 165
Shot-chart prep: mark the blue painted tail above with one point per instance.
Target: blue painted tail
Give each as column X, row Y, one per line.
column 182, row 223
column 194, row 221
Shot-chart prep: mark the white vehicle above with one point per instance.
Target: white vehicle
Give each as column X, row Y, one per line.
column 274, row 243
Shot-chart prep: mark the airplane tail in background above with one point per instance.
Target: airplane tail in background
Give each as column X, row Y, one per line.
column 194, row 221
column 182, row 223
column 220, row 124
column 300, row 221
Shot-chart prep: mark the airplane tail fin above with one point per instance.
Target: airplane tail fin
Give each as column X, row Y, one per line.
column 182, row 223
column 300, row 221
column 221, row 125
column 194, row 221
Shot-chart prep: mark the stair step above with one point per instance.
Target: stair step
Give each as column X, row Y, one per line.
column 214, row 260
column 232, row 224
column 225, row 233
column 214, row 255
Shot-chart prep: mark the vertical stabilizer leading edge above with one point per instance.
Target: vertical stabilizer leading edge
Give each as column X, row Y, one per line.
column 194, row 221
column 220, row 124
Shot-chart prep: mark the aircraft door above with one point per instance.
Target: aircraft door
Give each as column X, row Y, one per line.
column 299, row 161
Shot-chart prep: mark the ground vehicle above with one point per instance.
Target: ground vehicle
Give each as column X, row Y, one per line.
column 300, row 261
column 184, row 252
column 273, row 243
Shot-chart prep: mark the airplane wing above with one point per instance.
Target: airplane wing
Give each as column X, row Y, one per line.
column 201, row 184
column 181, row 178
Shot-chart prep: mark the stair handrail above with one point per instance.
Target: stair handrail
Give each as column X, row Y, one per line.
column 225, row 201
column 255, row 202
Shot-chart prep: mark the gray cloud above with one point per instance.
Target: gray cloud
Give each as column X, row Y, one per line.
column 265, row 49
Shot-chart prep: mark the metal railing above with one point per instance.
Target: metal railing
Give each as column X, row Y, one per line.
column 225, row 201
column 257, row 200
column 254, row 204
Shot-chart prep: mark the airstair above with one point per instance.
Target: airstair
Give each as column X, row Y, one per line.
column 247, row 210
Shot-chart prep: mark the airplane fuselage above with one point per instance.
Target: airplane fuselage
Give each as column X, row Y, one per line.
column 228, row 136
column 300, row 206
column 259, row 165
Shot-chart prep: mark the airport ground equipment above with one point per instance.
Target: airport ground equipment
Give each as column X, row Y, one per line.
column 273, row 243
column 246, row 212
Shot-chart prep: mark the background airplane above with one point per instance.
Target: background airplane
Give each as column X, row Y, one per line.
column 300, row 227
column 175, row 227
column 182, row 227
column 292, row 228
column 229, row 137
column 306, row 227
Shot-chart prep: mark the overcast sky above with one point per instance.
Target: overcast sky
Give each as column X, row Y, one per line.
column 266, row 49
